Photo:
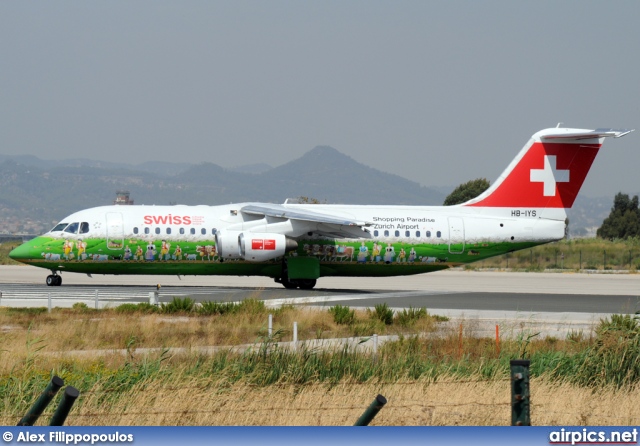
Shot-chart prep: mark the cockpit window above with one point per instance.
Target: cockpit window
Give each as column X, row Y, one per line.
column 59, row 227
column 72, row 228
column 84, row 227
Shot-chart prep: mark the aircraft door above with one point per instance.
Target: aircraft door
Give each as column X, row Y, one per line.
column 115, row 230
column 456, row 235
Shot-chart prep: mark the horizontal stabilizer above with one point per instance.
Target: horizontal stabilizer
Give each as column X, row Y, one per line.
column 591, row 134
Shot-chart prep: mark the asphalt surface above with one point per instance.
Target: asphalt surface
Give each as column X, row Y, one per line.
column 453, row 290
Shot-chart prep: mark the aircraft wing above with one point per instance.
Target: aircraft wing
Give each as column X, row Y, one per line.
column 328, row 224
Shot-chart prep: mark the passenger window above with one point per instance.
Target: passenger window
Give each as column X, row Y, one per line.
column 157, row 230
column 181, row 230
column 417, row 233
column 214, row 231
column 72, row 228
column 428, row 234
column 438, row 234
column 135, row 230
column 375, row 233
column 397, row 233
column 193, row 231
column 146, row 230
column 203, row 231
column 168, row 231
column 84, row 227
column 407, row 234
column 386, row 233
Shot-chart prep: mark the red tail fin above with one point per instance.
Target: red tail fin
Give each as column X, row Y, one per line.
column 549, row 171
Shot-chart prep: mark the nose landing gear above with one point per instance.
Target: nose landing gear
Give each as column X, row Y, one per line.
column 54, row 280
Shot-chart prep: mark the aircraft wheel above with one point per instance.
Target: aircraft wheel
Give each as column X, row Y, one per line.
column 289, row 284
column 51, row 280
column 58, row 280
column 306, row 284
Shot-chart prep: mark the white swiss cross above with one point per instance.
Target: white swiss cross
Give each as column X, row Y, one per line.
column 549, row 176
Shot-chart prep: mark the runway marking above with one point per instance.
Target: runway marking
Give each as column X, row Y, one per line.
column 343, row 297
column 108, row 293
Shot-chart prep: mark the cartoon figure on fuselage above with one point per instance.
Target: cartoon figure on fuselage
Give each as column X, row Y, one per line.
column 82, row 247
column 151, row 252
column 177, row 254
column 412, row 255
column 127, row 253
column 375, row 252
column 68, row 247
column 139, row 252
column 402, row 255
column 164, row 250
column 362, row 253
column 389, row 253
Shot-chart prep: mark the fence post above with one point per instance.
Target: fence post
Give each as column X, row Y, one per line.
column 41, row 403
column 520, row 394
column 97, row 304
column 581, row 260
column 68, row 398
column 153, row 298
column 295, row 336
column 270, row 330
column 49, row 303
column 604, row 262
column 371, row 411
column 375, row 347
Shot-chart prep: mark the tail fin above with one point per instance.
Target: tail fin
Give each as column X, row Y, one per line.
column 549, row 170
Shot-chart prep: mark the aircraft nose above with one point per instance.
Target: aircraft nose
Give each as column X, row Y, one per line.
column 20, row 253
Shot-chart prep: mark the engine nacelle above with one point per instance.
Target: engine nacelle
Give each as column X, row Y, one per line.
column 228, row 244
column 253, row 246
column 260, row 247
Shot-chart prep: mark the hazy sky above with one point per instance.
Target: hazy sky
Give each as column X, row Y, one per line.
column 437, row 92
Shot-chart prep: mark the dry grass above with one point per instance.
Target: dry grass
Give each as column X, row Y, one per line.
column 468, row 385
column 453, row 402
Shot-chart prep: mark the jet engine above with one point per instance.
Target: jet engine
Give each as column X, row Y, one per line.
column 253, row 246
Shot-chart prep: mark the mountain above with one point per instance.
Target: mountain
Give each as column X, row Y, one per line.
column 252, row 168
column 35, row 193
column 328, row 175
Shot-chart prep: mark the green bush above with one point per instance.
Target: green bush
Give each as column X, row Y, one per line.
column 383, row 313
column 210, row 308
column 342, row 315
column 613, row 359
column 178, row 305
column 252, row 306
column 408, row 317
column 143, row 307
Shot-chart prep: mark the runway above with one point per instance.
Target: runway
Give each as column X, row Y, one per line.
column 454, row 289
column 568, row 299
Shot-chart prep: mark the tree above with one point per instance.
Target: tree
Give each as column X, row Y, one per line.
column 467, row 191
column 623, row 221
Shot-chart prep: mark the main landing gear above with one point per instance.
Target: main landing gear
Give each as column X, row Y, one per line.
column 303, row 284
column 292, row 284
column 54, row 280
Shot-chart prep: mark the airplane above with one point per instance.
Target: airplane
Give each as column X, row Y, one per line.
column 295, row 244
